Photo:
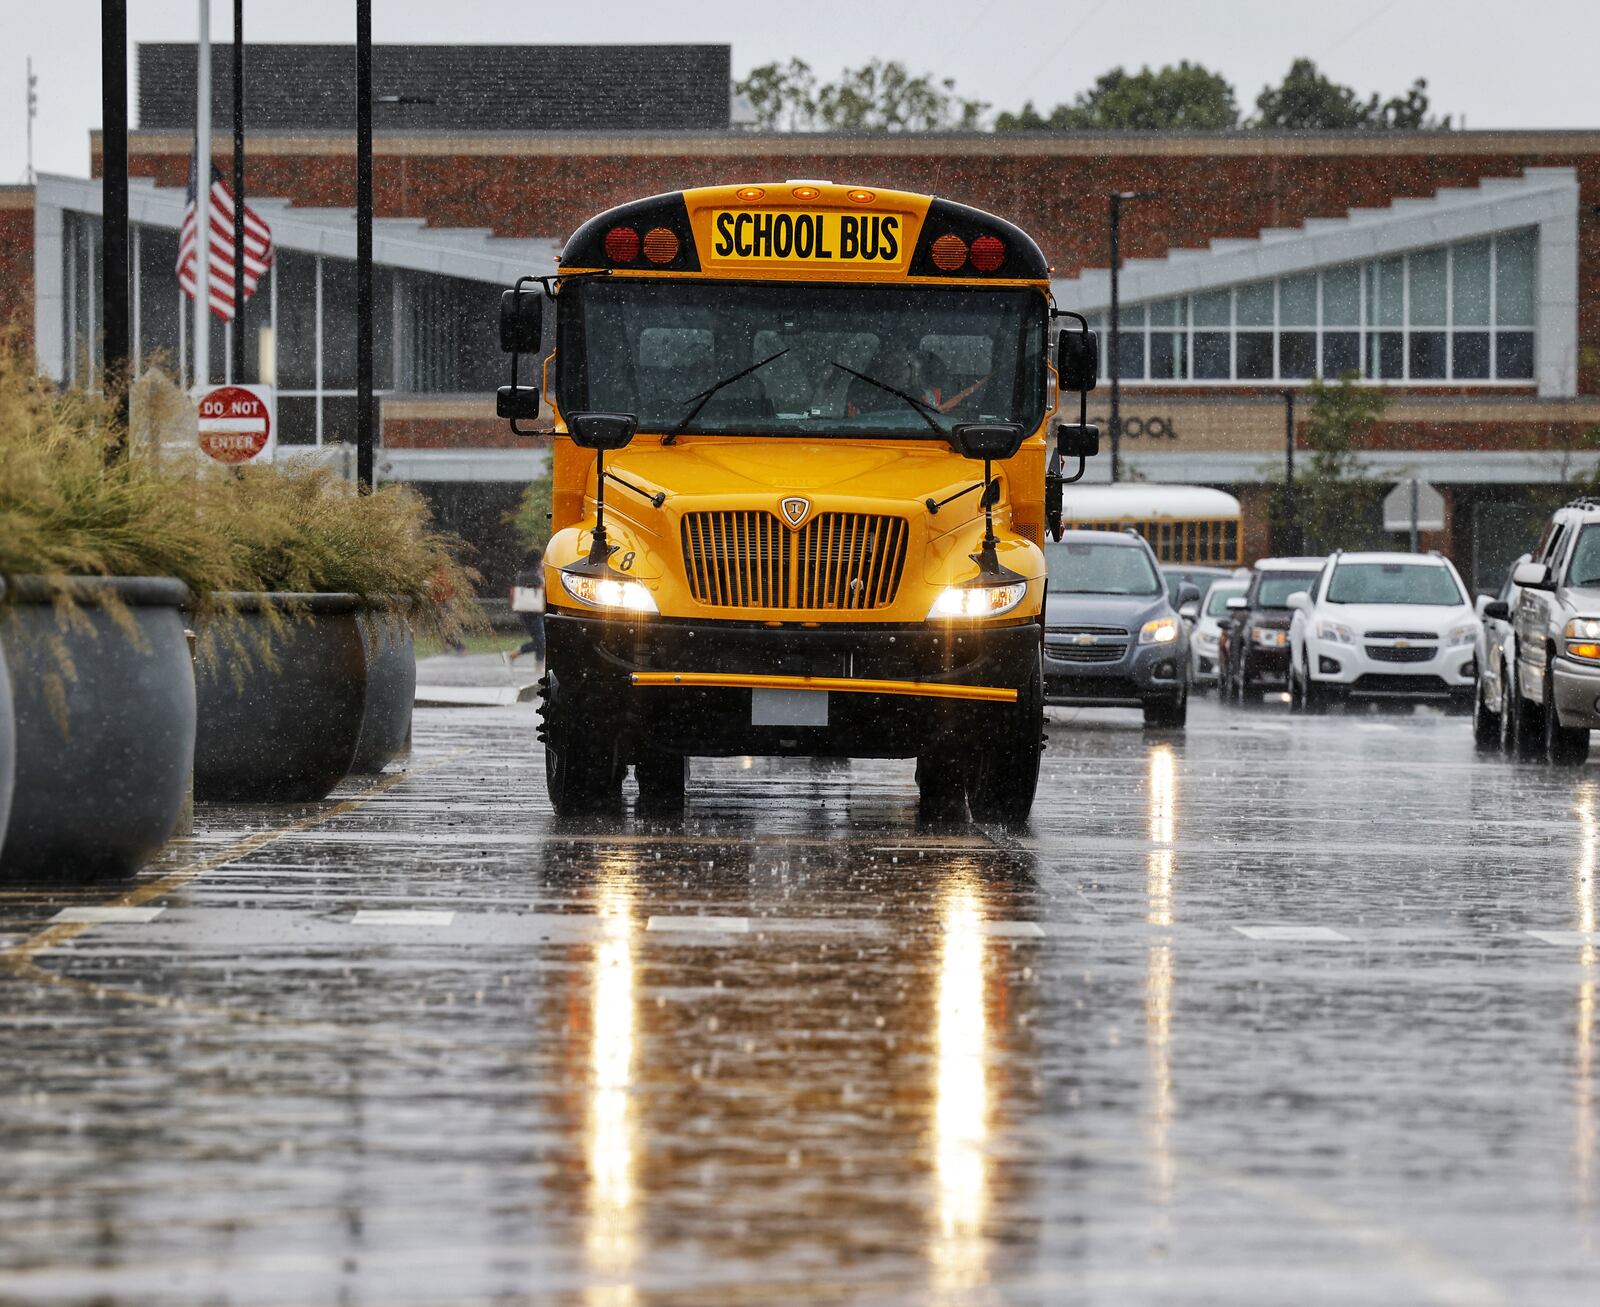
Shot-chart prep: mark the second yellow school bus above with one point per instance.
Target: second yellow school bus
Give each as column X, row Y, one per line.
column 775, row 407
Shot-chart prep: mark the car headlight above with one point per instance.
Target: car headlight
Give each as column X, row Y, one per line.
column 1206, row 639
column 1163, row 630
column 957, row 601
column 1467, row 633
column 1335, row 633
column 607, row 592
column 1583, row 639
column 1269, row 637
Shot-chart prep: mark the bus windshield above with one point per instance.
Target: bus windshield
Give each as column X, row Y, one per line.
column 795, row 360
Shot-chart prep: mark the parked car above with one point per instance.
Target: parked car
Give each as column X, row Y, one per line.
column 1112, row 636
column 1552, row 693
column 1380, row 626
column 1494, row 648
column 1178, row 575
column 1205, row 636
column 1254, row 642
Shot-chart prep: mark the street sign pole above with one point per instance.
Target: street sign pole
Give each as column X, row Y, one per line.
column 1414, row 496
column 202, row 202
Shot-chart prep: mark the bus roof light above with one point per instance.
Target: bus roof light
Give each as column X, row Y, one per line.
column 750, row 193
column 805, row 192
column 988, row 253
column 949, row 253
column 863, row 197
column 661, row 245
column 622, row 245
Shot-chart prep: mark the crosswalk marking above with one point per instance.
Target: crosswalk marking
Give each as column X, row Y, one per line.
column 107, row 916
column 1565, row 938
column 702, row 925
column 1293, row 934
column 402, row 917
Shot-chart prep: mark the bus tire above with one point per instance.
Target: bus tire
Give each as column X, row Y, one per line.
column 941, row 785
column 663, row 780
column 1005, row 767
column 582, row 774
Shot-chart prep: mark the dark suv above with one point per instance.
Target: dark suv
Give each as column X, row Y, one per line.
column 1551, row 687
column 1112, row 637
column 1254, row 649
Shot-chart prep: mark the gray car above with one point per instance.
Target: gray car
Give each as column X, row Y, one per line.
column 1112, row 636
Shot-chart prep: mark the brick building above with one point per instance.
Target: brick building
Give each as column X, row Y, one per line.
column 1459, row 272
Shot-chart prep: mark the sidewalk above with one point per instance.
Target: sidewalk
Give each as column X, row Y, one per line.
column 468, row 680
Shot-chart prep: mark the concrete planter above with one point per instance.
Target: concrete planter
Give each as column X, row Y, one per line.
column 102, row 794
column 8, row 740
column 391, row 691
column 285, row 734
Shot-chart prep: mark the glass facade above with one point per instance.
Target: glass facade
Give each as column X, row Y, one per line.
column 433, row 334
column 1460, row 313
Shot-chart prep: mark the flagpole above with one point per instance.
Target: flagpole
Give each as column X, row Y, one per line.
column 202, row 202
column 364, row 414
column 114, row 183
column 241, row 362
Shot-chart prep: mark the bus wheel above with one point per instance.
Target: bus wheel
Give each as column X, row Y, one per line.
column 662, row 779
column 941, row 785
column 1005, row 768
column 581, row 773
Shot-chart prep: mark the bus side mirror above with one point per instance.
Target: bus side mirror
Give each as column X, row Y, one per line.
column 521, row 320
column 1077, row 440
column 1078, row 360
column 602, row 431
column 987, row 440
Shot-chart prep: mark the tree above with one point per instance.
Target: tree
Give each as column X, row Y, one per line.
column 877, row 97
column 530, row 520
column 1309, row 100
column 1335, row 496
column 1182, row 98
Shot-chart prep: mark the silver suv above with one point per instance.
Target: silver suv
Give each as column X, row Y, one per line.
column 1551, row 696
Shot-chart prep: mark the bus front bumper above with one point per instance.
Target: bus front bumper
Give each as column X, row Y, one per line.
column 841, row 690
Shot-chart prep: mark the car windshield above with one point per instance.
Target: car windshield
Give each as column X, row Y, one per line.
column 1584, row 570
column 815, row 360
column 1274, row 588
column 1217, row 598
column 1087, row 567
column 1393, row 583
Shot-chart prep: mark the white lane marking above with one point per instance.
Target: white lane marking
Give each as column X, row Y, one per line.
column 105, row 916
column 401, row 917
column 1565, row 938
column 1294, row 934
column 1013, row 929
column 704, row 925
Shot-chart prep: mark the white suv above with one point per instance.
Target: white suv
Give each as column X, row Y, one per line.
column 1383, row 626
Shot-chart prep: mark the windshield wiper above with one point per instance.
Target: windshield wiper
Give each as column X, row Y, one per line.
column 704, row 397
column 924, row 411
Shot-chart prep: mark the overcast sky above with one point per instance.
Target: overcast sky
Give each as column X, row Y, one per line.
column 1524, row 64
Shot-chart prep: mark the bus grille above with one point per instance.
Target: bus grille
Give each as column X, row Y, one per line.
column 751, row 560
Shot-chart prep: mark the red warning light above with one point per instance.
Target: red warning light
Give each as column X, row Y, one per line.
column 622, row 245
column 988, row 253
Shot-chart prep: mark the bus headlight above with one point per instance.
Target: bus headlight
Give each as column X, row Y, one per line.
column 958, row 601
column 607, row 592
column 1164, row 630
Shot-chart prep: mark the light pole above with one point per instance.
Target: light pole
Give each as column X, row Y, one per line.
column 114, row 183
column 1291, row 526
column 1117, row 197
column 364, row 413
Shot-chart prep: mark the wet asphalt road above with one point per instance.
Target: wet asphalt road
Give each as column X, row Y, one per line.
column 1250, row 1015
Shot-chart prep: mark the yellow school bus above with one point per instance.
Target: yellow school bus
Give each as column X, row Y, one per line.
column 800, row 484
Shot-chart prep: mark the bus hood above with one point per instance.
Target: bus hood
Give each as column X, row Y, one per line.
column 831, row 470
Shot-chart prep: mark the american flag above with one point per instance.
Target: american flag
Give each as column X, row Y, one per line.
column 257, row 246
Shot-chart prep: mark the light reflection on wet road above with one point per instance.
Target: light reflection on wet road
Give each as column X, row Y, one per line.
column 1249, row 1015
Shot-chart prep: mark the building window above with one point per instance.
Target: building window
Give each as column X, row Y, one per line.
column 1451, row 314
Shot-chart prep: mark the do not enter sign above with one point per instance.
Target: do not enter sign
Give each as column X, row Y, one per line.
column 236, row 423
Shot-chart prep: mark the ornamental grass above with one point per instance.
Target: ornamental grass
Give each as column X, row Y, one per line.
column 80, row 496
